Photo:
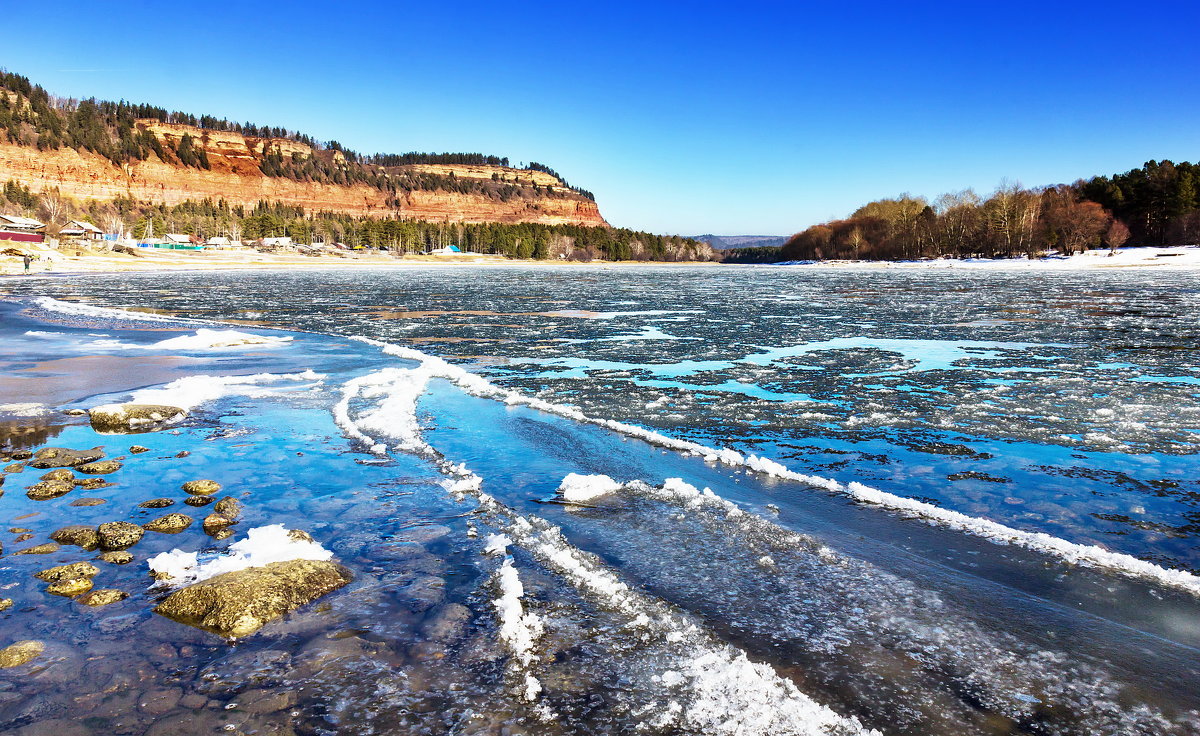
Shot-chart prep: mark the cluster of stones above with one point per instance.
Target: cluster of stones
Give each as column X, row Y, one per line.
column 233, row 604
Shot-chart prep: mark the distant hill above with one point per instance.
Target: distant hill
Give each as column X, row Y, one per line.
column 95, row 150
column 730, row 242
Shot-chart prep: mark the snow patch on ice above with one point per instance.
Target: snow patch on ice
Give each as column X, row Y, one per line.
column 192, row 391
column 206, row 339
column 576, row 488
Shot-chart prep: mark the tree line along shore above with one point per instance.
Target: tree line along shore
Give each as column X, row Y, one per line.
column 1154, row 205
column 127, row 223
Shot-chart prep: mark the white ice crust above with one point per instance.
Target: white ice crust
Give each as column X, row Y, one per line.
column 261, row 546
column 576, row 488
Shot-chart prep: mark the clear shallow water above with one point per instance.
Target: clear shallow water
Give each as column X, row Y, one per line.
column 1071, row 411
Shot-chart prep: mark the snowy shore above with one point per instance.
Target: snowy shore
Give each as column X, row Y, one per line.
column 1186, row 256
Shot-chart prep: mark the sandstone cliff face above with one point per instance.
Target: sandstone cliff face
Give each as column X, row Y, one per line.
column 234, row 176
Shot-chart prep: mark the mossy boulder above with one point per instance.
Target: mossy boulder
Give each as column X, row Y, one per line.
column 61, row 457
column 48, row 489
column 157, row 503
column 67, row 572
column 100, row 467
column 59, row 474
column 132, row 417
column 198, row 500
column 138, row 449
column 6, row 603
column 215, row 522
column 169, row 524
column 240, row 603
column 201, row 487
column 78, row 535
column 91, row 484
column 23, row 652
column 102, row 597
column 119, row 534
column 70, row 588
column 116, row 557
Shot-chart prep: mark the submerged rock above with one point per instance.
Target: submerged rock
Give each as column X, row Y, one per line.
column 20, row 653
column 15, row 468
column 138, row 449
column 169, row 524
column 41, row 549
column 67, row 572
column 5, row 604
column 102, row 597
column 157, row 503
column 131, row 417
column 101, row 467
column 240, row 603
column 88, row 502
column 91, row 484
column 78, row 535
column 119, row 534
column 61, row 457
column 48, row 489
column 198, row 500
column 229, row 507
column 201, row 487
column 116, row 557
column 59, row 474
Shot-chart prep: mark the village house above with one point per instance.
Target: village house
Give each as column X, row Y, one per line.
column 22, row 229
column 81, row 229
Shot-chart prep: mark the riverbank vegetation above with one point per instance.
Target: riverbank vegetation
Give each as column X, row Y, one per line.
column 1155, row 205
column 207, row 219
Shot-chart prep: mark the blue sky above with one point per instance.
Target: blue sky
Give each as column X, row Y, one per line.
column 732, row 118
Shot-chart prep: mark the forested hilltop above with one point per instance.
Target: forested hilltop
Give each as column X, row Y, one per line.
column 1156, row 205
column 126, row 133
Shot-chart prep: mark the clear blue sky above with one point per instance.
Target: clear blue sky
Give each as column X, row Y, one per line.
column 682, row 117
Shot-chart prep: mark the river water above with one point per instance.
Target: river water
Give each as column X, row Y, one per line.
column 939, row 502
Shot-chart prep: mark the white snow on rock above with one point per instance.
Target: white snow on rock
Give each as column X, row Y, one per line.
column 576, row 488
column 261, row 546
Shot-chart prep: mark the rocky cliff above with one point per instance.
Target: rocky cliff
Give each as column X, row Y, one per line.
column 499, row 194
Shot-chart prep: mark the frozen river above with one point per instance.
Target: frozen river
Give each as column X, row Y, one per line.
column 939, row 503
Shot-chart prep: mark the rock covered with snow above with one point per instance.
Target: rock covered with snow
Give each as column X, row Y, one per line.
column 132, row 417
